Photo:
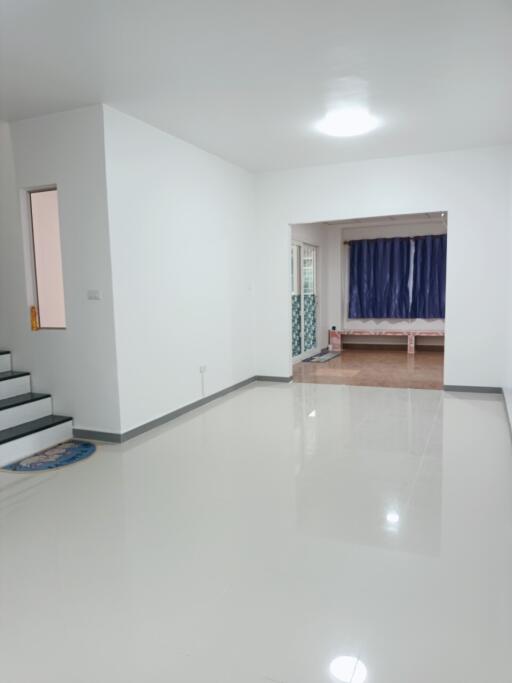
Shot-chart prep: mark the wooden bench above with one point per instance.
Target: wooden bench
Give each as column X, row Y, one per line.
column 336, row 336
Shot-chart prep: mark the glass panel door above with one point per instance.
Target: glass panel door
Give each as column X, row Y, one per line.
column 309, row 296
column 304, row 298
column 296, row 302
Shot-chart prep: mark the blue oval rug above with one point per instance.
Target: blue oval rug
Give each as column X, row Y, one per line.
column 63, row 454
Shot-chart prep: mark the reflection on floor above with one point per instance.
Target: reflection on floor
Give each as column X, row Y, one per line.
column 263, row 536
column 377, row 368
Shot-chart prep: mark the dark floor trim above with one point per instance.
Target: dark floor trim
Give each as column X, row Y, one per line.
column 478, row 390
column 112, row 437
column 107, row 437
column 272, row 378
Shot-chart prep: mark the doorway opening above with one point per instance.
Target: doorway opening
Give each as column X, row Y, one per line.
column 379, row 301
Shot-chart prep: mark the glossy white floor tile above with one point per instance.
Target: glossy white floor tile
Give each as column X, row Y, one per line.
column 265, row 535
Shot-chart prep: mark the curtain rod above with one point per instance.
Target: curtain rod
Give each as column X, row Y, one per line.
column 414, row 237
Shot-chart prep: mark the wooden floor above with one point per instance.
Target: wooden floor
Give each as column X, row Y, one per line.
column 376, row 368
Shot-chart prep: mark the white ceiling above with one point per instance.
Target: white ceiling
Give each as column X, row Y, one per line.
column 247, row 80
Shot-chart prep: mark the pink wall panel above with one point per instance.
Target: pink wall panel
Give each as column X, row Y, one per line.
column 48, row 258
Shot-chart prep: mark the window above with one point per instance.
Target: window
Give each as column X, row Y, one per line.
column 308, row 269
column 49, row 281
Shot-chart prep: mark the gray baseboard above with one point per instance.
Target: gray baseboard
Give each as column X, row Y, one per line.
column 271, row 378
column 107, row 437
column 481, row 390
column 113, row 437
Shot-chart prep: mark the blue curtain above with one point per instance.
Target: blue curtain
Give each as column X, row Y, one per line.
column 379, row 278
column 429, row 277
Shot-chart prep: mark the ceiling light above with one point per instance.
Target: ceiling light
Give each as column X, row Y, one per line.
column 312, row 413
column 347, row 122
column 348, row 670
column 393, row 517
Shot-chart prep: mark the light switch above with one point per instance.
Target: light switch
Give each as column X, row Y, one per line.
column 94, row 294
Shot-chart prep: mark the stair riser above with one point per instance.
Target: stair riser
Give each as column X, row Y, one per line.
column 25, row 413
column 5, row 362
column 15, row 386
column 28, row 445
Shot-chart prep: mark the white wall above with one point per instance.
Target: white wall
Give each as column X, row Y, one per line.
column 77, row 365
column 200, row 266
column 9, row 221
column 179, row 224
column 181, row 230
column 472, row 185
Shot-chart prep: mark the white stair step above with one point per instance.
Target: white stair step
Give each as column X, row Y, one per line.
column 31, row 437
column 5, row 361
column 23, row 408
column 13, row 383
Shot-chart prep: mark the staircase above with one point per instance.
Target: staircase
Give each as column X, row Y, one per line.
column 27, row 422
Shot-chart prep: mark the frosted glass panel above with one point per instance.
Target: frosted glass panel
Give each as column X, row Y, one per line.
column 309, row 321
column 296, row 325
column 48, row 258
column 308, row 269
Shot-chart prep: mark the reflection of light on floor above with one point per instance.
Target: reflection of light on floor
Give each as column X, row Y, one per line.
column 348, row 670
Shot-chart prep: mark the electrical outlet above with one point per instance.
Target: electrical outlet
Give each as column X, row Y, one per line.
column 202, row 369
